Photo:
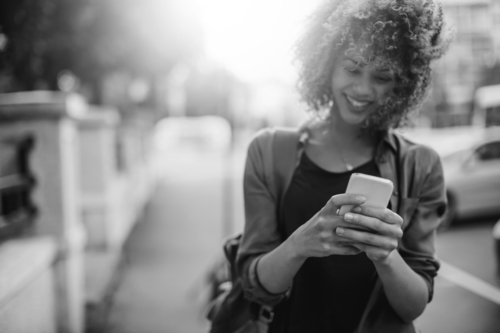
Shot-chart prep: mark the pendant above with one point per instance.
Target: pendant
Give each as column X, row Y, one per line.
column 348, row 167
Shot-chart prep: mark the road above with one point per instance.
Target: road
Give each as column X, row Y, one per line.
column 468, row 277
column 199, row 202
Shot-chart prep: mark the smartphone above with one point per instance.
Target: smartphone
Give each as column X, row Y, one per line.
column 376, row 190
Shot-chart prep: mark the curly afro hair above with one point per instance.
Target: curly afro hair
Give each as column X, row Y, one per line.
column 402, row 35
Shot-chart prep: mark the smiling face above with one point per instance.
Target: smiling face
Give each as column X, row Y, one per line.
column 358, row 88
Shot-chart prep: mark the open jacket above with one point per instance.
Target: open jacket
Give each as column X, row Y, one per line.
column 418, row 197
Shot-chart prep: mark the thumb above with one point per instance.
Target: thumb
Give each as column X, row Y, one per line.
column 340, row 200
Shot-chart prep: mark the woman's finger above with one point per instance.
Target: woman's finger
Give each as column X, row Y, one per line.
column 368, row 238
column 384, row 214
column 340, row 200
column 361, row 221
column 348, row 249
column 373, row 252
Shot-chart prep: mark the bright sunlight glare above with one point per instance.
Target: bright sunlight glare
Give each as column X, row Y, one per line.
column 253, row 38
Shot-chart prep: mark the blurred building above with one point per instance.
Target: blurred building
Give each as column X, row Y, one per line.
column 472, row 58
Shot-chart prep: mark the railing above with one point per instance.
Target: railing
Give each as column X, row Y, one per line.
column 87, row 172
column 16, row 209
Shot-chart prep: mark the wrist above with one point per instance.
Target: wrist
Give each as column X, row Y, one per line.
column 388, row 261
column 292, row 249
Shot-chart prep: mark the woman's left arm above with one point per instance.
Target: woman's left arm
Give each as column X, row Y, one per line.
column 406, row 290
column 405, row 263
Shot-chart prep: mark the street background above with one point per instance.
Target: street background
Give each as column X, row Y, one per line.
column 132, row 117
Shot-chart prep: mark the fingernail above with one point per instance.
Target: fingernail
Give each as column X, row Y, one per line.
column 340, row 231
column 360, row 199
column 357, row 209
column 348, row 217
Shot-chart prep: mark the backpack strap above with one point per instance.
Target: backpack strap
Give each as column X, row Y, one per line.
column 281, row 157
column 284, row 159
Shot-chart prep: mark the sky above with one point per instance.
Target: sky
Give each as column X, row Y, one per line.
column 253, row 38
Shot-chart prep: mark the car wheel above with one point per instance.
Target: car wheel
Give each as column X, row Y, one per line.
column 451, row 213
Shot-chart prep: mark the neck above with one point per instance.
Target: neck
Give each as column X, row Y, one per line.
column 344, row 132
column 338, row 147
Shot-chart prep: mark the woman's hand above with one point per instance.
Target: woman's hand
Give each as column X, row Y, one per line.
column 317, row 237
column 386, row 226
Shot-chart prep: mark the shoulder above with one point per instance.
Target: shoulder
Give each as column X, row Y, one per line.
column 270, row 155
column 421, row 170
column 420, row 153
column 266, row 136
column 261, row 136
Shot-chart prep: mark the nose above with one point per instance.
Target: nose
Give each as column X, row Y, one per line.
column 364, row 88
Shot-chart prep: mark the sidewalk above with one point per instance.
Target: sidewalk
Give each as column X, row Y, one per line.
column 169, row 253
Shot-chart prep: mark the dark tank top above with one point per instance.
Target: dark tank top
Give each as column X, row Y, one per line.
column 329, row 294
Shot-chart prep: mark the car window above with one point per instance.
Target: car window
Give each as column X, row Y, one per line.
column 489, row 151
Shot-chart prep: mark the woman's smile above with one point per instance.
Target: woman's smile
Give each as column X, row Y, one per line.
column 357, row 105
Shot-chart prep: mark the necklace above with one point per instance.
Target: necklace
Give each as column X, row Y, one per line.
column 347, row 165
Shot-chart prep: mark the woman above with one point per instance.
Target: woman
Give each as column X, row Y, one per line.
column 364, row 67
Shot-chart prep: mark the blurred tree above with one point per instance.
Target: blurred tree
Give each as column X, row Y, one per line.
column 20, row 59
column 92, row 38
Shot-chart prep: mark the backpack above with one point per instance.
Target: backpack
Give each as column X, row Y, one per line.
column 230, row 311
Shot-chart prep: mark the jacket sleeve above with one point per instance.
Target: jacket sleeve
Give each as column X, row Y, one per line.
column 425, row 210
column 261, row 233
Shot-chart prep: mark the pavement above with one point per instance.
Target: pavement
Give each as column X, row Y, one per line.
column 163, row 288
column 197, row 203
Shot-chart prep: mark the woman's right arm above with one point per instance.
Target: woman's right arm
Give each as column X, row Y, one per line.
column 261, row 233
column 266, row 264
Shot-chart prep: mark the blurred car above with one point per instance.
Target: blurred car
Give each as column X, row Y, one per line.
column 190, row 147
column 203, row 134
column 472, row 177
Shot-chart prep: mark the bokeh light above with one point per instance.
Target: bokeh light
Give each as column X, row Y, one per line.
column 253, row 38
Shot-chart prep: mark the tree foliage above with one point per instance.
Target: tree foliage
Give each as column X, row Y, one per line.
column 91, row 38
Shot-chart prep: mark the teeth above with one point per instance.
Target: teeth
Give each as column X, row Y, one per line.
column 357, row 103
